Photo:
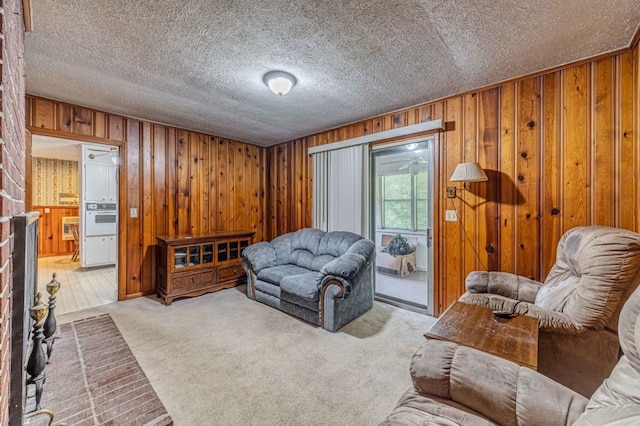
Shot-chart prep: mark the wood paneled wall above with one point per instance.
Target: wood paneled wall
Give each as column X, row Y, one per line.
column 181, row 182
column 50, row 242
column 290, row 187
column 561, row 149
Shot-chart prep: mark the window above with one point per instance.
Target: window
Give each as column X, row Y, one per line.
column 402, row 201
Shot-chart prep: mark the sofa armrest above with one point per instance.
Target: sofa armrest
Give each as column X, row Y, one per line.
column 504, row 284
column 498, row 389
column 259, row 256
column 342, row 271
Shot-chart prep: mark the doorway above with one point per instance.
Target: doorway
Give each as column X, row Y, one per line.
column 402, row 223
column 59, row 188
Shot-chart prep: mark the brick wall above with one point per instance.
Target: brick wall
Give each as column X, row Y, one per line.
column 12, row 166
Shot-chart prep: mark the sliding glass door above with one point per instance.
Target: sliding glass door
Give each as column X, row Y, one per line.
column 402, row 212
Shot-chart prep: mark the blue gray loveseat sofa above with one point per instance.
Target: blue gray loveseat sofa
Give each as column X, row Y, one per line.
column 324, row 278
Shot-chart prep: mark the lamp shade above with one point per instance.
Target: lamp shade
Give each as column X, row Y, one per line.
column 279, row 82
column 468, row 172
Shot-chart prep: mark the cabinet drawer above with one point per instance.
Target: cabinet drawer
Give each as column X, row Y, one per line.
column 193, row 281
column 229, row 272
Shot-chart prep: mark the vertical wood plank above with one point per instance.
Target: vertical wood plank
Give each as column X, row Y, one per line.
column 487, row 210
column 601, row 185
column 628, row 142
column 204, row 178
column 255, row 219
column 133, row 188
column 576, row 161
column 193, row 204
column 222, row 185
column 551, row 156
column 28, row 111
column 82, row 121
column 64, row 115
column 183, row 182
column 44, row 113
column 451, row 236
column 509, row 195
column 172, row 182
column 147, row 279
column 100, row 124
column 527, row 174
column 240, row 212
column 115, row 127
column 159, row 164
column 213, row 184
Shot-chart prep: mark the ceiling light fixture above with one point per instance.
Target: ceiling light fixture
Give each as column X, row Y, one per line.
column 279, row 82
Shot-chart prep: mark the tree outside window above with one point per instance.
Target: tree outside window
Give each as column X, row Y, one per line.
column 402, row 200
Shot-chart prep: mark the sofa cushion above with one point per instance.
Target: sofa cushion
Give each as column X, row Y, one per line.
column 282, row 246
column 303, row 285
column 268, row 288
column 307, row 239
column 304, row 245
column 319, row 261
column 337, row 243
column 275, row 274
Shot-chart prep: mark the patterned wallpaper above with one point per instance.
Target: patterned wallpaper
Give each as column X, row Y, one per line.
column 51, row 177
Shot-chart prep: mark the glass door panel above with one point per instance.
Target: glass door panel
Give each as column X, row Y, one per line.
column 233, row 250
column 223, row 255
column 194, row 255
column 207, row 253
column 180, row 258
column 401, row 223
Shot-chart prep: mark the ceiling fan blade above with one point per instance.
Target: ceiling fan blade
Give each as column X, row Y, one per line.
column 404, row 167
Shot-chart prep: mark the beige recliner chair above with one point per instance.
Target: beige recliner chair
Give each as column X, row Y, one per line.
column 457, row 385
column 577, row 307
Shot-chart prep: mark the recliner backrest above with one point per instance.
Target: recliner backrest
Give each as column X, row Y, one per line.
column 596, row 268
column 616, row 401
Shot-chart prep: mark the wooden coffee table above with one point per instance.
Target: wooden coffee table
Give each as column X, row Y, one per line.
column 515, row 339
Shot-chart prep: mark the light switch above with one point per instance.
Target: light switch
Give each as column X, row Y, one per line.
column 133, row 212
column 451, row 216
column 47, row 210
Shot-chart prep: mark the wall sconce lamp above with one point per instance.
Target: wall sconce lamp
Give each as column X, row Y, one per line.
column 466, row 172
column 279, row 82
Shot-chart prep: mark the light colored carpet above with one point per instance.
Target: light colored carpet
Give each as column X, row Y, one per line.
column 222, row 359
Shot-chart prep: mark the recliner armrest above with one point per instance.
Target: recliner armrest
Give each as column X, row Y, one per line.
column 553, row 322
column 492, row 386
column 504, row 284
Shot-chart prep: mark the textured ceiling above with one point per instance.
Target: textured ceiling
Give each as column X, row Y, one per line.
column 199, row 64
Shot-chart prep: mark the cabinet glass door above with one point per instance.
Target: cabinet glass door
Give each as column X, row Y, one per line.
column 207, row 253
column 194, row 255
column 180, row 257
column 223, row 255
column 233, row 250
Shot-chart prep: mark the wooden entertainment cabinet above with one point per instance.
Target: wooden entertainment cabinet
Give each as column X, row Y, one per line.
column 191, row 265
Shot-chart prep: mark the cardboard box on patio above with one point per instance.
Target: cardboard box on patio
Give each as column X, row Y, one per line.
column 401, row 265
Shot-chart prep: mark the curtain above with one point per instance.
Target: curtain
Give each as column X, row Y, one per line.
column 341, row 189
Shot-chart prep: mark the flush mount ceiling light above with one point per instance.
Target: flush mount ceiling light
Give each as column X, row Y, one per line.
column 279, row 82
